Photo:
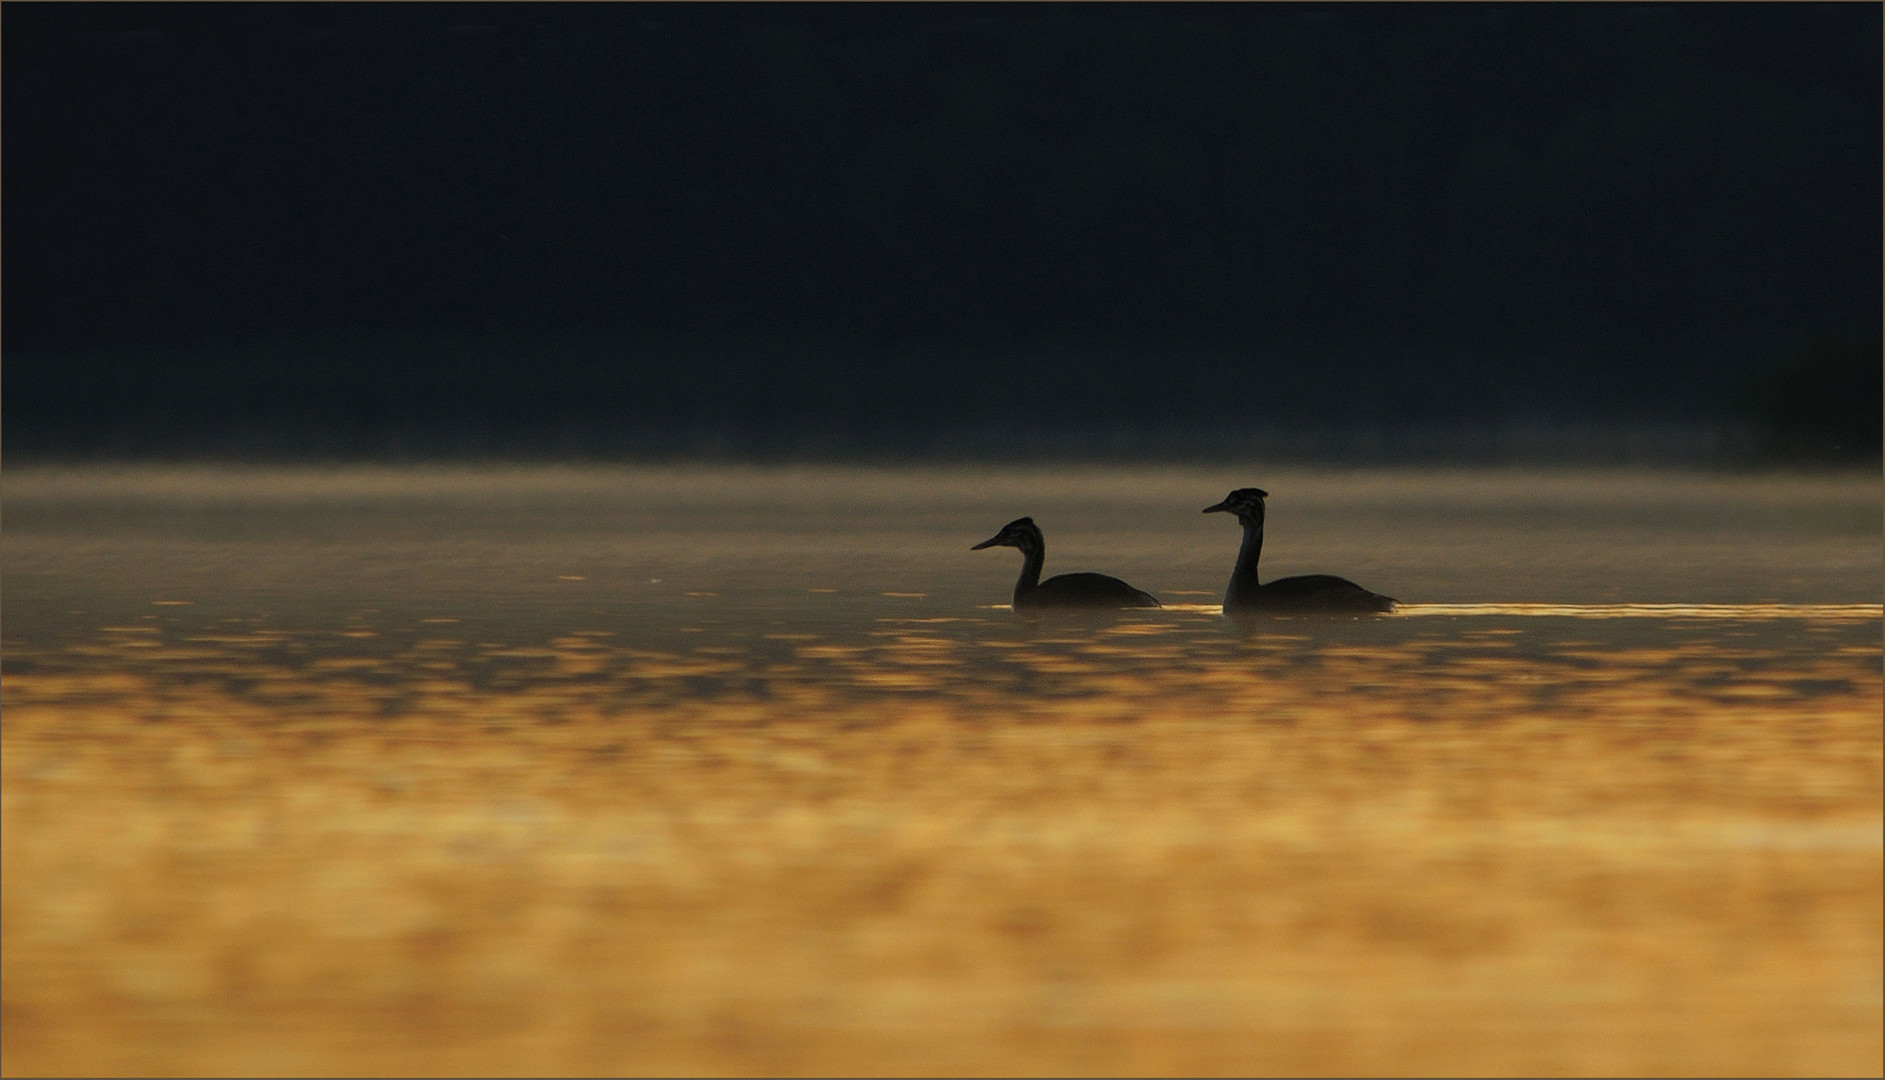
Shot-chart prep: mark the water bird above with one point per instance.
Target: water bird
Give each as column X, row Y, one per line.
column 1310, row 592
column 1061, row 590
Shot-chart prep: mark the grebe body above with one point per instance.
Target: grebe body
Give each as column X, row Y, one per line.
column 1308, row 593
column 1081, row 590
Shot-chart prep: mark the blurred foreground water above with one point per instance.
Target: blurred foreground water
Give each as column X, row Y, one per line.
column 682, row 770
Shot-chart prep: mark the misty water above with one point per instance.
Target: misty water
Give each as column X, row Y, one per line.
column 691, row 768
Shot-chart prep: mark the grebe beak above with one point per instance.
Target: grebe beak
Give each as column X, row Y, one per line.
column 990, row 542
column 1224, row 506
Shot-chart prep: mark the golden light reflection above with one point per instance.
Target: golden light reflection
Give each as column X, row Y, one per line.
column 1655, row 611
column 1141, row 846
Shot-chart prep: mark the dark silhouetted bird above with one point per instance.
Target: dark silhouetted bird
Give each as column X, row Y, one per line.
column 1311, row 592
column 1062, row 590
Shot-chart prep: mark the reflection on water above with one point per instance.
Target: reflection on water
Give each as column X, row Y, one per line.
column 1655, row 611
column 568, row 775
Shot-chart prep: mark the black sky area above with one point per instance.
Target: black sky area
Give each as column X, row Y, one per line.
column 346, row 224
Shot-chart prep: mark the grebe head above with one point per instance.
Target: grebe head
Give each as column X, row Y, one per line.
column 1246, row 503
column 1020, row 533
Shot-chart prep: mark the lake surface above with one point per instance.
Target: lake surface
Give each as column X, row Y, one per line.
column 743, row 770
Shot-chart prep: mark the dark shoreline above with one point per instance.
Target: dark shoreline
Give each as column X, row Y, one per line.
column 1725, row 448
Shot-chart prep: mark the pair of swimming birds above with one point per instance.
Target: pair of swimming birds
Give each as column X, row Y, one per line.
column 1311, row 592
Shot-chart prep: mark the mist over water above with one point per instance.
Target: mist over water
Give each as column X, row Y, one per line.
column 556, row 539
column 741, row 769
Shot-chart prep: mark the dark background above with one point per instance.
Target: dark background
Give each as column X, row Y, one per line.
column 762, row 230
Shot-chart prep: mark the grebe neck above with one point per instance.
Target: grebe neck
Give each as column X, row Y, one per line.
column 1243, row 580
column 1033, row 557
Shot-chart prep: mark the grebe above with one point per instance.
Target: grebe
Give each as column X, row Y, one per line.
column 1061, row 590
column 1311, row 592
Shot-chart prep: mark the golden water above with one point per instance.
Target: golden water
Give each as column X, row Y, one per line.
column 726, row 770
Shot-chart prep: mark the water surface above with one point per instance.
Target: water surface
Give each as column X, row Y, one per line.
column 749, row 770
